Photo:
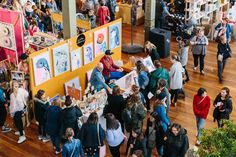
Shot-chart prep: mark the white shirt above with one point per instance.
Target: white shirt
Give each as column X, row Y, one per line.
column 18, row 102
column 176, row 81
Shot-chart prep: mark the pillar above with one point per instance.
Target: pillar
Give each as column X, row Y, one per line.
column 69, row 18
column 150, row 8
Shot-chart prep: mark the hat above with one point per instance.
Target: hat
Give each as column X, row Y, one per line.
column 108, row 52
column 24, row 56
column 161, row 96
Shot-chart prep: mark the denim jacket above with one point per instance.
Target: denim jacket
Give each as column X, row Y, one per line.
column 73, row 149
column 97, row 80
column 143, row 79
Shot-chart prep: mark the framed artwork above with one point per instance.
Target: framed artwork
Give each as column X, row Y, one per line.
column 73, row 83
column 61, row 59
column 149, row 64
column 42, row 68
column 114, row 36
column 76, row 59
column 74, row 93
column 7, row 35
column 100, row 42
column 57, row 96
column 88, row 53
column 17, row 75
column 126, row 82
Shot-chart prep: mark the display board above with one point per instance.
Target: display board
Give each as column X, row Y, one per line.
column 55, row 84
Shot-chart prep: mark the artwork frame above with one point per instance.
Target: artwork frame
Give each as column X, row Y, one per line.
column 42, row 68
column 76, row 59
column 100, row 41
column 114, row 36
column 75, row 82
column 149, row 64
column 61, row 59
column 7, row 33
column 88, row 55
column 18, row 76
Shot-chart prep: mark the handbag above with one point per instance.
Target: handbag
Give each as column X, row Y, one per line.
column 220, row 57
column 151, row 139
column 102, row 149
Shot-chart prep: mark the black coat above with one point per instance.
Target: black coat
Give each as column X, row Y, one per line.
column 224, row 50
column 53, row 120
column 176, row 146
column 88, row 135
column 40, row 108
column 154, row 54
column 226, row 105
column 116, row 105
column 68, row 119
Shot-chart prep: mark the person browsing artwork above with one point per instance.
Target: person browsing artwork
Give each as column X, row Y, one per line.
column 111, row 70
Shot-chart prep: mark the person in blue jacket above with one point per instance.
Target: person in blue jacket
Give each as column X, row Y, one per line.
column 73, row 147
column 53, row 124
column 224, row 29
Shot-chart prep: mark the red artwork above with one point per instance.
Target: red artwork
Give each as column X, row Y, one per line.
column 74, row 93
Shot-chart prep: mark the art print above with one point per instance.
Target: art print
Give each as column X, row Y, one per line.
column 17, row 75
column 76, row 59
column 149, row 64
column 61, row 60
column 42, row 68
column 73, row 83
column 114, row 36
column 100, row 41
column 7, row 36
column 88, row 53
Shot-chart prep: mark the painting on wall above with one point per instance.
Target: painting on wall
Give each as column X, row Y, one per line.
column 61, row 60
column 100, row 42
column 42, row 68
column 73, row 83
column 76, row 59
column 114, row 36
column 7, row 35
column 88, row 53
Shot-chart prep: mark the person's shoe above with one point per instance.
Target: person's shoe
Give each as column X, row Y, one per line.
column 40, row 137
column 5, row 129
column 58, row 152
column 18, row 133
column 187, row 80
column 195, row 69
column 202, row 72
column 46, row 139
column 198, row 143
column 21, row 139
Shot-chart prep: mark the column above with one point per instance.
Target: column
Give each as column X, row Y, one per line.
column 150, row 7
column 69, row 18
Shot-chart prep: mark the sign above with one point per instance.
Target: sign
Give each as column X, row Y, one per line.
column 80, row 40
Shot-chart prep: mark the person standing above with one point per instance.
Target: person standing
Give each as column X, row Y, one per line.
column 103, row 13
column 199, row 43
column 176, row 142
column 73, row 147
column 223, row 29
column 18, row 100
column 151, row 50
column 114, row 134
column 111, row 4
column 176, row 83
column 223, row 53
column 3, row 111
column 201, row 106
column 223, row 106
column 161, row 88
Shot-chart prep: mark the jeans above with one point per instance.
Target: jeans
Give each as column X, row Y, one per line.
column 3, row 114
column 145, row 94
column 186, row 73
column 56, row 141
column 196, row 57
column 42, row 129
column 18, row 122
column 174, row 94
column 160, row 150
column 221, row 66
column 200, row 125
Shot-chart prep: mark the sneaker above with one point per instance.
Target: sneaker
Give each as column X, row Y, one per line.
column 195, row 68
column 21, row 139
column 18, row 132
column 46, row 139
column 202, row 72
column 58, row 152
column 5, row 129
column 198, row 143
column 40, row 137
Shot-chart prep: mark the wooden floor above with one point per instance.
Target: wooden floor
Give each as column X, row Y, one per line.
column 182, row 114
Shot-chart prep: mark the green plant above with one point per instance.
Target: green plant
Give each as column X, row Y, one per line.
column 219, row 142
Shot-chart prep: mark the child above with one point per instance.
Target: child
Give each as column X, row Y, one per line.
column 33, row 28
column 103, row 13
column 161, row 87
column 92, row 18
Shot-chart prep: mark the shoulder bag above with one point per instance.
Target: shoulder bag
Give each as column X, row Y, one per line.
column 102, row 149
column 73, row 150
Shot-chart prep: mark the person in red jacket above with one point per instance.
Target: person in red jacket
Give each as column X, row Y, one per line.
column 110, row 70
column 201, row 105
column 103, row 13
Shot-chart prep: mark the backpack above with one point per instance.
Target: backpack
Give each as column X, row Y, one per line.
column 126, row 117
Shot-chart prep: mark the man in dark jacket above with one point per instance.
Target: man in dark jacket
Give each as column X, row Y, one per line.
column 176, row 142
column 111, row 4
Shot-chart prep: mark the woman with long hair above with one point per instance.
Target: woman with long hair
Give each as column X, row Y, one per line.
column 18, row 103
column 176, row 82
column 89, row 135
column 151, row 50
column 73, row 147
column 223, row 106
column 143, row 81
column 114, row 134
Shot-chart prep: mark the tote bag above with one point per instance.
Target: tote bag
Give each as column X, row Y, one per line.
column 102, row 149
